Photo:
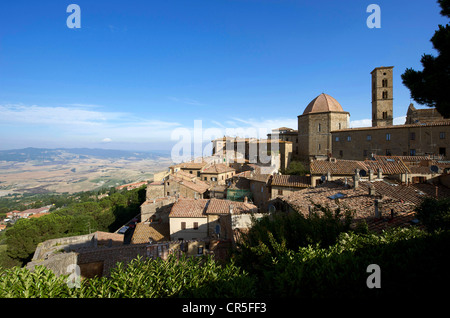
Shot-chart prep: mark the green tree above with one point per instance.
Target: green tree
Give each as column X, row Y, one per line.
column 430, row 86
column 296, row 168
column 434, row 214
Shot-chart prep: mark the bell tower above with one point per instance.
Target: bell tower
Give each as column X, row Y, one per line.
column 382, row 96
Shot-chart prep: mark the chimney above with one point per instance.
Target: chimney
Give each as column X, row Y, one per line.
column 372, row 191
column 245, row 200
column 230, row 207
column 380, row 173
column 328, row 176
column 378, row 208
column 356, row 179
column 370, row 175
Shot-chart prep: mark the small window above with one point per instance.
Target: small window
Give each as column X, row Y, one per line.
column 365, row 153
column 280, row 192
column 341, row 153
column 168, row 183
column 412, row 152
column 206, row 178
column 385, row 95
column 413, row 136
column 190, row 172
column 195, row 225
column 369, row 137
column 442, row 135
column 384, row 83
column 337, row 139
column 442, row 151
column 349, row 138
column 318, row 146
column 319, row 127
column 388, row 136
column 388, row 152
column 183, row 225
column 339, row 125
column 384, row 115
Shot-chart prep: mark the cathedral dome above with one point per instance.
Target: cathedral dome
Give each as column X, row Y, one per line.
column 323, row 103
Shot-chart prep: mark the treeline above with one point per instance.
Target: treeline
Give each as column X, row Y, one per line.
column 21, row 202
column 76, row 218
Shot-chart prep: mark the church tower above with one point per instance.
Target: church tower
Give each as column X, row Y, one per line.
column 382, row 96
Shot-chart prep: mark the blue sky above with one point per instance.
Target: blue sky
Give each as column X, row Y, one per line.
column 137, row 70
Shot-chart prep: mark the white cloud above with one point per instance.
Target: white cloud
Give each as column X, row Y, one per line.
column 188, row 101
column 360, row 123
column 400, row 120
column 76, row 122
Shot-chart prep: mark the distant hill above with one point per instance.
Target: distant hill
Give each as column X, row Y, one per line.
column 62, row 154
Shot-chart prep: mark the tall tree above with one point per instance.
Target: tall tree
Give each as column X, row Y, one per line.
column 431, row 86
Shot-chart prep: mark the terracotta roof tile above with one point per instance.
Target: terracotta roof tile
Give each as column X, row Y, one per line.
column 291, row 181
column 217, row 206
column 218, row 168
column 154, row 231
column 203, row 207
column 194, row 208
column 336, row 167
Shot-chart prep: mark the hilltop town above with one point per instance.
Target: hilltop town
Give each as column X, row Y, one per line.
column 380, row 174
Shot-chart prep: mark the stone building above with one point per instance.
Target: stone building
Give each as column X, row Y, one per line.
column 382, row 96
column 397, row 140
column 415, row 116
column 322, row 115
column 323, row 128
column 217, row 174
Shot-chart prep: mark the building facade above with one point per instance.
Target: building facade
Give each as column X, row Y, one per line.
column 398, row 140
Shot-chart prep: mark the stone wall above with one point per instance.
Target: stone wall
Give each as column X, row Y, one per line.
column 159, row 208
column 401, row 140
column 109, row 257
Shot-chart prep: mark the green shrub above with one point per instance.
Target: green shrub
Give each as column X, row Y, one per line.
column 186, row 277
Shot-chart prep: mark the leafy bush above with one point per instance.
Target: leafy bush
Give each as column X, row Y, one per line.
column 412, row 264
column 186, row 277
column 434, row 214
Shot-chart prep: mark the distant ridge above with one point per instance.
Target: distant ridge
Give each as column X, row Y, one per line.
column 57, row 154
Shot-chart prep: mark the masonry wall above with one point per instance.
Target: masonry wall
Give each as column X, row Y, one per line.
column 395, row 141
column 176, row 232
column 159, row 208
column 286, row 190
column 172, row 188
column 314, row 137
column 109, row 257
column 260, row 194
column 155, row 191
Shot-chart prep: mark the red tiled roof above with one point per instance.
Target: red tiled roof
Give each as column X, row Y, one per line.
column 154, row 231
column 218, row 168
column 217, row 206
column 203, row 207
column 185, row 208
column 388, row 164
column 196, row 185
column 291, row 181
column 336, row 167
